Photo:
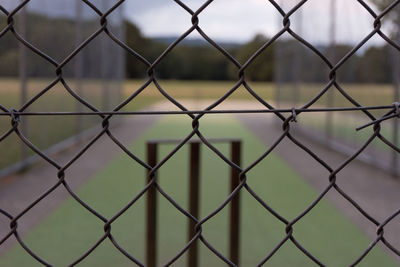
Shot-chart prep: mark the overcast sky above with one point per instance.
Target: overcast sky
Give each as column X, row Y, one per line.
column 231, row 20
column 240, row 20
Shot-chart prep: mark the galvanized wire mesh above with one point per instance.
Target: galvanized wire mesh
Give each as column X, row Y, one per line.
column 67, row 24
column 288, row 116
column 300, row 74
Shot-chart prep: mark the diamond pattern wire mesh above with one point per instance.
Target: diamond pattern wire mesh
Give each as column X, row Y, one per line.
column 287, row 116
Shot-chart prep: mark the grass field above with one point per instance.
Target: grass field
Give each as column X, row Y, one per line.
column 344, row 123
column 344, row 128
column 70, row 230
column 43, row 131
column 46, row 131
column 365, row 94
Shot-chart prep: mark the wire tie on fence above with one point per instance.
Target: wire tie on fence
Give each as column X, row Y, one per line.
column 14, row 117
column 294, row 115
column 395, row 111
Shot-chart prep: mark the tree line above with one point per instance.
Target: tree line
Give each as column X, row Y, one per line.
column 285, row 60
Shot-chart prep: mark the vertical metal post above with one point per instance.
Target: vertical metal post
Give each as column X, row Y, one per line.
column 78, row 65
column 396, row 98
column 23, row 76
column 278, row 76
column 194, row 185
column 330, row 93
column 395, row 154
column 104, row 66
column 121, row 55
column 235, row 205
column 278, row 68
column 298, row 58
column 151, row 210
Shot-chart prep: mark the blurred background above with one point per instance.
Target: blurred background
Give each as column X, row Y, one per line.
column 286, row 74
column 96, row 74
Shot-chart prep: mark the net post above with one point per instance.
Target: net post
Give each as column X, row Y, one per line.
column 234, row 205
column 151, row 210
column 194, row 184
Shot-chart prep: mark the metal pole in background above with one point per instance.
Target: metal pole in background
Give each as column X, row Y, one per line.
column 395, row 155
column 298, row 57
column 104, row 66
column 277, row 67
column 78, row 66
column 23, row 77
column 396, row 98
column 121, row 55
column 332, row 52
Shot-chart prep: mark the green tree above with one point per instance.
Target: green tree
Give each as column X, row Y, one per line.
column 135, row 40
column 392, row 17
column 374, row 66
column 262, row 68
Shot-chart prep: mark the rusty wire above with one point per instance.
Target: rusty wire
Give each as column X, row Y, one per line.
column 287, row 116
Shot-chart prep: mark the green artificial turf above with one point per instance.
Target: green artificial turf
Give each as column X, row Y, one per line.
column 70, row 230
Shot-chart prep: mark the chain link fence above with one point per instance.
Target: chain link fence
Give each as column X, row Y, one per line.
column 25, row 73
column 98, row 37
column 300, row 75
